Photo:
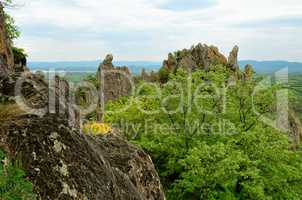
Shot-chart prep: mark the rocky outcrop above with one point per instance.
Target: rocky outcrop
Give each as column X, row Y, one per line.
column 61, row 162
column 147, row 76
column 233, row 59
column 64, row 164
column 248, row 72
column 6, row 54
column 295, row 129
column 37, row 97
column 199, row 57
column 114, row 82
column 64, row 102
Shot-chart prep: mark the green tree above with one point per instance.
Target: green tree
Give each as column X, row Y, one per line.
column 206, row 140
column 12, row 29
column 10, row 25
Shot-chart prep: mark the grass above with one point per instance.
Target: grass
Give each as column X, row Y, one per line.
column 9, row 114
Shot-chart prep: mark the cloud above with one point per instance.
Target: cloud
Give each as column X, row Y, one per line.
column 181, row 5
column 148, row 30
column 276, row 22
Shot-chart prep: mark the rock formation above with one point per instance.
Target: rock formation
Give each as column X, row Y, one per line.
column 233, row 59
column 61, row 162
column 199, row 57
column 115, row 82
column 248, row 72
column 37, row 97
column 295, row 129
column 64, row 164
column 147, row 76
column 6, row 55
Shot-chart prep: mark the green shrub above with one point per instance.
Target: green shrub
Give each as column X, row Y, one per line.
column 163, row 75
column 13, row 184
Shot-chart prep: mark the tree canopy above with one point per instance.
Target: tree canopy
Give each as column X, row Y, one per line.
column 205, row 139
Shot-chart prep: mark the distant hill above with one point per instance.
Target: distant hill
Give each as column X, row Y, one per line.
column 137, row 66
column 272, row 66
column 92, row 66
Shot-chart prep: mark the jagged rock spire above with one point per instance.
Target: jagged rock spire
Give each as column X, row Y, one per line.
column 200, row 56
column 233, row 58
column 107, row 63
column 113, row 82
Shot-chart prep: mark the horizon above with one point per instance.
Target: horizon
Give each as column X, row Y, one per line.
column 149, row 61
column 71, row 30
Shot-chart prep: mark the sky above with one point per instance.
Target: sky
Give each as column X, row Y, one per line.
column 73, row 30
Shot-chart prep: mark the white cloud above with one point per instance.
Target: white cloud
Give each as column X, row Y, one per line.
column 150, row 31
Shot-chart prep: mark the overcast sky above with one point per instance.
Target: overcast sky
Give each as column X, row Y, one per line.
column 148, row 29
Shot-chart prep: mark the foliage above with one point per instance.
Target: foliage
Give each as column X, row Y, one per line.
column 206, row 137
column 95, row 128
column 6, row 3
column 92, row 79
column 13, row 185
column 19, row 55
column 163, row 75
column 254, row 165
column 11, row 28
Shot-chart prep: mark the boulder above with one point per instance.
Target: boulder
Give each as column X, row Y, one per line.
column 36, row 96
column 64, row 164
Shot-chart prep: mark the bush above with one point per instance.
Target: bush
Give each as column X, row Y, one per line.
column 13, row 184
column 19, row 56
column 163, row 75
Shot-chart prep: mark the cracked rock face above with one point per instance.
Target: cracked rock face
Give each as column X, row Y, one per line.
column 6, row 55
column 200, row 56
column 63, row 164
column 115, row 82
column 233, row 58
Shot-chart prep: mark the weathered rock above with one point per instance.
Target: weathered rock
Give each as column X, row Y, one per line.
column 36, row 96
column 115, row 82
column 295, row 129
column 147, row 76
column 233, row 58
column 64, row 102
column 63, row 164
column 32, row 90
column 6, row 55
column 198, row 57
column 107, row 63
column 248, row 72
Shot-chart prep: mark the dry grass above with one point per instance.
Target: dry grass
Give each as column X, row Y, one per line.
column 9, row 114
